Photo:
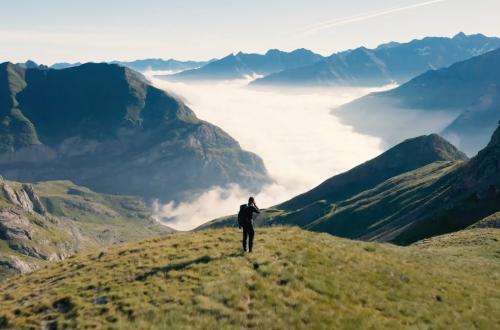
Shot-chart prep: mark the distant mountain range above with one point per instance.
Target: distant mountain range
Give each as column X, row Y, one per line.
column 156, row 64
column 389, row 63
column 243, row 65
column 468, row 91
column 50, row 221
column 159, row 64
column 420, row 188
column 105, row 127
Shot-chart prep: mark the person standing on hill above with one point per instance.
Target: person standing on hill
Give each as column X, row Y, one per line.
column 245, row 221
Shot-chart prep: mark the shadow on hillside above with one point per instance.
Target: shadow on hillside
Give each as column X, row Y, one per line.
column 182, row 265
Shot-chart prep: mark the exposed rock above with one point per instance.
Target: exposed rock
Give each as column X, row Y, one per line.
column 11, row 194
column 22, row 266
column 38, row 206
column 14, row 225
column 24, row 200
column 33, row 232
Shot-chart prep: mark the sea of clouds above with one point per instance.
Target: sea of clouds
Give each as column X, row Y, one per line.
column 301, row 142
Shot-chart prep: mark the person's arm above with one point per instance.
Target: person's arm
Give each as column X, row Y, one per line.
column 255, row 208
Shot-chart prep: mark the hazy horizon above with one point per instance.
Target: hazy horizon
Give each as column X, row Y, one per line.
column 128, row 30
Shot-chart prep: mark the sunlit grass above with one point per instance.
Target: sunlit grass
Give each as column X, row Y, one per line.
column 294, row 279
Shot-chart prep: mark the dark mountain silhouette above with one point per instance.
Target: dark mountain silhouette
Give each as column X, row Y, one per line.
column 105, row 127
column 420, row 188
column 242, row 65
column 468, row 89
column 388, row 63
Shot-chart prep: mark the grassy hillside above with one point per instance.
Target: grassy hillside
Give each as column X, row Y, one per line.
column 111, row 218
column 69, row 219
column 294, row 279
column 420, row 188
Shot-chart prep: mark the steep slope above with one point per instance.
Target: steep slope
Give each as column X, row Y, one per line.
column 409, row 155
column 406, row 156
column 469, row 90
column 294, row 280
column 103, row 126
column 385, row 199
column 433, row 200
column 52, row 220
column 472, row 195
column 388, row 63
column 243, row 65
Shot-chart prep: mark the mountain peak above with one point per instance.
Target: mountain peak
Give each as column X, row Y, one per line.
column 460, row 35
column 383, row 65
column 404, row 157
column 426, row 149
column 103, row 120
column 273, row 51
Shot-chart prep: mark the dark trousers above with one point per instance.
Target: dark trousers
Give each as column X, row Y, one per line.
column 248, row 232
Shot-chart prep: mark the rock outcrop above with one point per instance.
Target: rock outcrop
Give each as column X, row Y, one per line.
column 48, row 222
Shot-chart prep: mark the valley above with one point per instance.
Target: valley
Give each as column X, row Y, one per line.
column 250, row 165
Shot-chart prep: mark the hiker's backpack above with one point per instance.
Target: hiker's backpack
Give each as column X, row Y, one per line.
column 242, row 215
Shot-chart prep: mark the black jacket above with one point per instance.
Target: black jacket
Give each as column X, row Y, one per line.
column 249, row 216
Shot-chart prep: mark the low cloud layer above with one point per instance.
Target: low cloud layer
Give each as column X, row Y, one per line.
column 300, row 141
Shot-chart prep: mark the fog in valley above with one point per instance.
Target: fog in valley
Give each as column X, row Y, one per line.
column 299, row 139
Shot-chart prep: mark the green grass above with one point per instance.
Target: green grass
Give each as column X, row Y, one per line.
column 294, row 279
column 78, row 220
column 479, row 242
column 112, row 218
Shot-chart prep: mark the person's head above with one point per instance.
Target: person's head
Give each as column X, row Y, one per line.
column 251, row 200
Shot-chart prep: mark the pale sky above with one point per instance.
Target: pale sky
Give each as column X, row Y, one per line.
column 99, row 30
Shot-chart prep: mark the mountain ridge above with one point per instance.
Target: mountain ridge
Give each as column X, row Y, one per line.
column 386, row 64
column 105, row 127
column 467, row 92
column 242, row 65
column 430, row 198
